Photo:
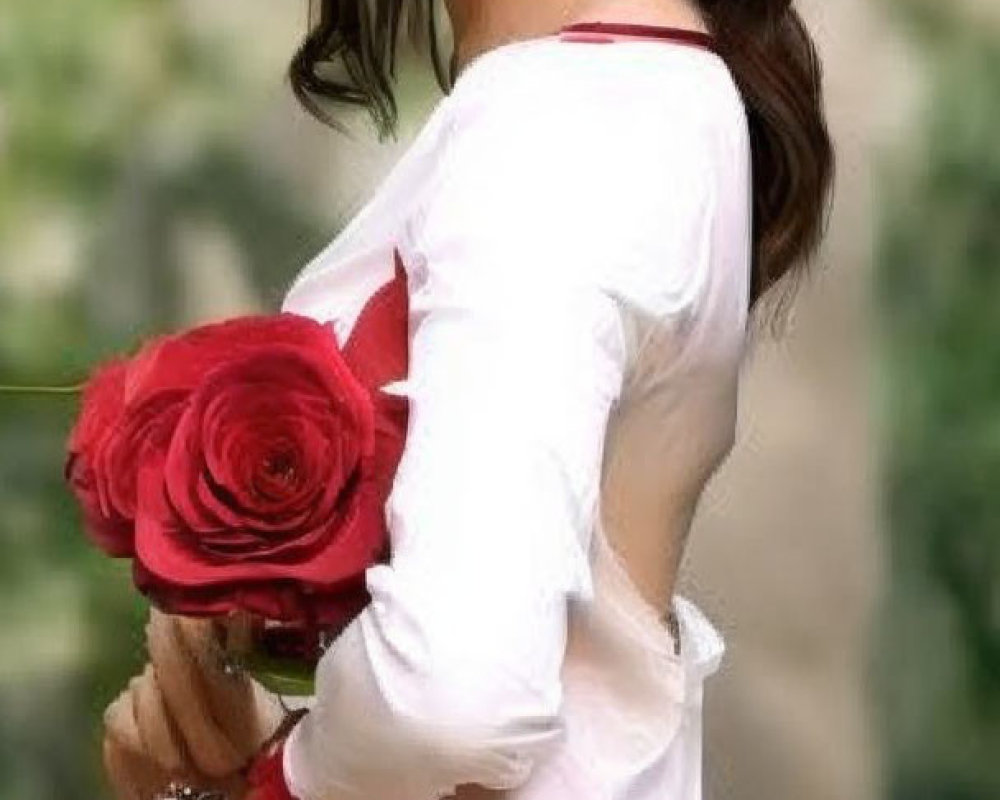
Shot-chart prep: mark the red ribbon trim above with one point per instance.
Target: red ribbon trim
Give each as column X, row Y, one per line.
column 603, row 32
column 267, row 776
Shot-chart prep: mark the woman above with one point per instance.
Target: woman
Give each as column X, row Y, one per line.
column 583, row 245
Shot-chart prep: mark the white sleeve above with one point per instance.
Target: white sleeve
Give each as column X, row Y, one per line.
column 452, row 674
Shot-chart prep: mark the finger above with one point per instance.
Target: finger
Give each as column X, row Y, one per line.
column 184, row 696
column 120, row 723
column 153, row 721
column 231, row 697
column 132, row 777
column 117, row 772
column 270, row 711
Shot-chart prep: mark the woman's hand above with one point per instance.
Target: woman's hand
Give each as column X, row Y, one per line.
column 185, row 719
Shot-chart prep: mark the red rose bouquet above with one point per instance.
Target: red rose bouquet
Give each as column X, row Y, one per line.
column 243, row 467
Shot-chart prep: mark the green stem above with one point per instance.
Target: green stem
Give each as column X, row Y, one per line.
column 41, row 389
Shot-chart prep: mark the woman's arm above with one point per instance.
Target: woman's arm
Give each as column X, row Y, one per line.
column 451, row 674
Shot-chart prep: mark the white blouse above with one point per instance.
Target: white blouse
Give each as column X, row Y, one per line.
column 574, row 224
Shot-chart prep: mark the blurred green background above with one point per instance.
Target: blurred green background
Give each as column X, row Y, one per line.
column 155, row 172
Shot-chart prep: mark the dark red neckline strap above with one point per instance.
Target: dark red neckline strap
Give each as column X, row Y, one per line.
column 683, row 35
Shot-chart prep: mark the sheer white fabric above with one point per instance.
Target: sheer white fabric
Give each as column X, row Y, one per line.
column 564, row 211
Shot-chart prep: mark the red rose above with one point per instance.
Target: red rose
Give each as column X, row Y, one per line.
column 103, row 401
column 244, row 465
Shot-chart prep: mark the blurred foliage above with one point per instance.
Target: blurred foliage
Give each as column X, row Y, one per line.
column 938, row 271
column 118, row 127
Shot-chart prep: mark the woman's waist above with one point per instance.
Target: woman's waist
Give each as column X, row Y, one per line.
column 620, row 636
column 632, row 704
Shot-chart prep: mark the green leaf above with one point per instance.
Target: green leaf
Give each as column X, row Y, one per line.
column 281, row 676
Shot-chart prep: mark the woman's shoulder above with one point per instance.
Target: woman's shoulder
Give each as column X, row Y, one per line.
column 582, row 168
column 588, row 126
column 620, row 83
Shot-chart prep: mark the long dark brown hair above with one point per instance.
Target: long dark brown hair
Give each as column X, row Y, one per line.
column 349, row 56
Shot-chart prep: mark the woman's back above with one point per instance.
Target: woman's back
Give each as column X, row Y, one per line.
column 685, row 304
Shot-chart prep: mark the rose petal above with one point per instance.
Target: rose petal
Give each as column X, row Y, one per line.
column 167, row 552
column 377, row 350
